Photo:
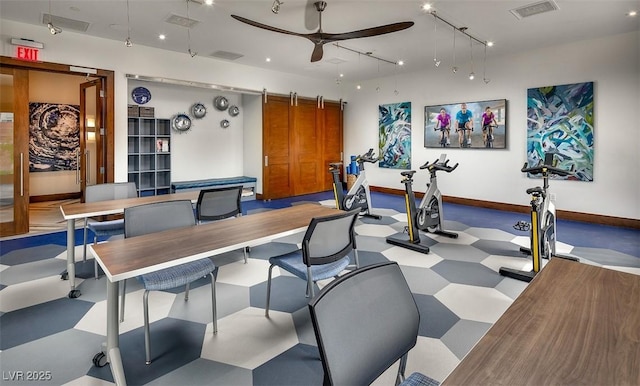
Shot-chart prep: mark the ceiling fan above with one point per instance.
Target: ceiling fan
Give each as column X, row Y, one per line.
column 320, row 38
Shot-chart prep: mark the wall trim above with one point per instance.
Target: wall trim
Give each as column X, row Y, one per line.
column 561, row 214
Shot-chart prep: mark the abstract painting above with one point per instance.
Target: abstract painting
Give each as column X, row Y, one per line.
column 560, row 121
column 394, row 138
column 479, row 139
column 54, row 136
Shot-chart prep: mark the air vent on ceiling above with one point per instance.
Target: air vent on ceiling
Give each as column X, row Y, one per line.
column 336, row 61
column 64, row 23
column 226, row 55
column 181, row 21
column 535, row 9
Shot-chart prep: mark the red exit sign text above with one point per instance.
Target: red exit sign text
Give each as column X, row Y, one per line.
column 27, row 53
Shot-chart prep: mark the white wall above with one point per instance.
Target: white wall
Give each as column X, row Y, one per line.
column 612, row 63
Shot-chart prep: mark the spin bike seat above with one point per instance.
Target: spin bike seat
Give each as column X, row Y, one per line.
column 537, row 191
column 408, row 173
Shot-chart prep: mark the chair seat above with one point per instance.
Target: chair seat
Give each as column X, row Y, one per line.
column 107, row 228
column 293, row 263
column 177, row 276
column 418, row 379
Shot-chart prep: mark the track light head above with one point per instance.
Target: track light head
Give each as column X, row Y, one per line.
column 472, row 76
column 275, row 8
column 128, row 42
column 454, row 69
column 436, row 62
column 192, row 53
column 486, row 80
column 53, row 29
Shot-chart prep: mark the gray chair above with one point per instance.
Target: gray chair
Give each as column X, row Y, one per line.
column 105, row 192
column 219, row 204
column 157, row 217
column 364, row 322
column 326, row 246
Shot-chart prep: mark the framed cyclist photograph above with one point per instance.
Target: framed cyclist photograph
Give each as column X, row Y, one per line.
column 467, row 125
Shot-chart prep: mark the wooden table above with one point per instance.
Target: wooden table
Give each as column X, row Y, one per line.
column 126, row 258
column 575, row 324
column 82, row 210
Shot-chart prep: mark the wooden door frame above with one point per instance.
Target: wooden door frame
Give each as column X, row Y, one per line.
column 108, row 81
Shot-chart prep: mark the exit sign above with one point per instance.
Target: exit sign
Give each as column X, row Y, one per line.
column 27, row 53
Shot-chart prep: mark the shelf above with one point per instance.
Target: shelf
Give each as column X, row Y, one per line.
column 149, row 159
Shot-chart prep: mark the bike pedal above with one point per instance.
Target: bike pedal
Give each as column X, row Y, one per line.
column 522, row 226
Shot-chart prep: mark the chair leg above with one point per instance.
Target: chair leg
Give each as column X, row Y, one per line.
column 95, row 262
column 186, row 292
column 355, row 252
column 266, row 311
column 123, row 293
column 214, row 307
column 401, row 369
column 147, row 334
column 246, row 254
column 84, row 243
column 309, row 283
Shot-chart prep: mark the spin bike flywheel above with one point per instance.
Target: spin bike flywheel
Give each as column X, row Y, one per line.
column 359, row 199
column 428, row 218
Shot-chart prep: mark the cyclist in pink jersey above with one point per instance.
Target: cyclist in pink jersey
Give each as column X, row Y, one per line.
column 488, row 123
column 443, row 124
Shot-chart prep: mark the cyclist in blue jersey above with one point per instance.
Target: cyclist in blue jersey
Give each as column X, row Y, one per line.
column 464, row 121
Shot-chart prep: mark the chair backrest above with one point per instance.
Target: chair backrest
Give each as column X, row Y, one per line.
column 364, row 322
column 110, row 191
column 216, row 204
column 329, row 238
column 157, row 217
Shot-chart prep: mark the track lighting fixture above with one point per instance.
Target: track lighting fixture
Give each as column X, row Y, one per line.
column 454, row 68
column 484, row 66
column 128, row 42
column 472, row 75
column 275, row 8
column 436, row 62
column 52, row 28
column 191, row 53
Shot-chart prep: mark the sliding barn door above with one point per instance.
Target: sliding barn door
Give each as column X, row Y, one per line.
column 276, row 181
column 331, row 139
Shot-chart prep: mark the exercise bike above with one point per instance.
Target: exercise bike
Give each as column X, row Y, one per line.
column 359, row 195
column 428, row 215
column 542, row 227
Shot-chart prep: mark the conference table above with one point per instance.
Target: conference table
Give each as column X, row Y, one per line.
column 575, row 324
column 82, row 210
column 127, row 258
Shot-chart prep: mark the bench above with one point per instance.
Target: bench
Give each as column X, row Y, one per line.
column 248, row 185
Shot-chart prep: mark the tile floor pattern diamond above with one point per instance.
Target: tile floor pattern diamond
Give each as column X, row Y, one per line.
column 456, row 286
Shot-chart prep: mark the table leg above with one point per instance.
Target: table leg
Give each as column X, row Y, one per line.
column 113, row 334
column 71, row 258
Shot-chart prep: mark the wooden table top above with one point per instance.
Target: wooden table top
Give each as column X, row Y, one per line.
column 125, row 258
column 100, row 208
column 575, row 324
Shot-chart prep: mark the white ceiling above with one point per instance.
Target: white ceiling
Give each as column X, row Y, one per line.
column 489, row 20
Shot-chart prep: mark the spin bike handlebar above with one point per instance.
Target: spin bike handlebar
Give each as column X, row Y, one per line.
column 435, row 166
column 367, row 157
column 542, row 169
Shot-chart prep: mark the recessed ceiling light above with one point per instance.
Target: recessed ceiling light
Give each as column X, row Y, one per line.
column 162, row 37
column 400, row 63
column 341, row 75
column 268, row 60
column 632, row 13
column 489, row 44
column 208, row 2
column 426, row 7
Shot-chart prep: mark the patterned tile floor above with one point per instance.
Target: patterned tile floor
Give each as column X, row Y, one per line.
column 456, row 286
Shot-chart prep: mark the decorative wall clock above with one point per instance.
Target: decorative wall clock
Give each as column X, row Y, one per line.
column 198, row 110
column 181, row 123
column 141, row 95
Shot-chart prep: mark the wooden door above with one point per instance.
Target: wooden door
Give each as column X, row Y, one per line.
column 332, row 139
column 14, row 151
column 306, row 139
column 276, row 181
column 91, row 136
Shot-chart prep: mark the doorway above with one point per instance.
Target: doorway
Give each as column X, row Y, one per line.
column 94, row 155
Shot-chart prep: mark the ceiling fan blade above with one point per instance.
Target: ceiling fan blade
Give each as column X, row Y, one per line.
column 267, row 27
column 363, row 33
column 317, row 52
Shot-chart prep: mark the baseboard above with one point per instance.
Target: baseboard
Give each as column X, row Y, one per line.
column 55, row 197
column 562, row 214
